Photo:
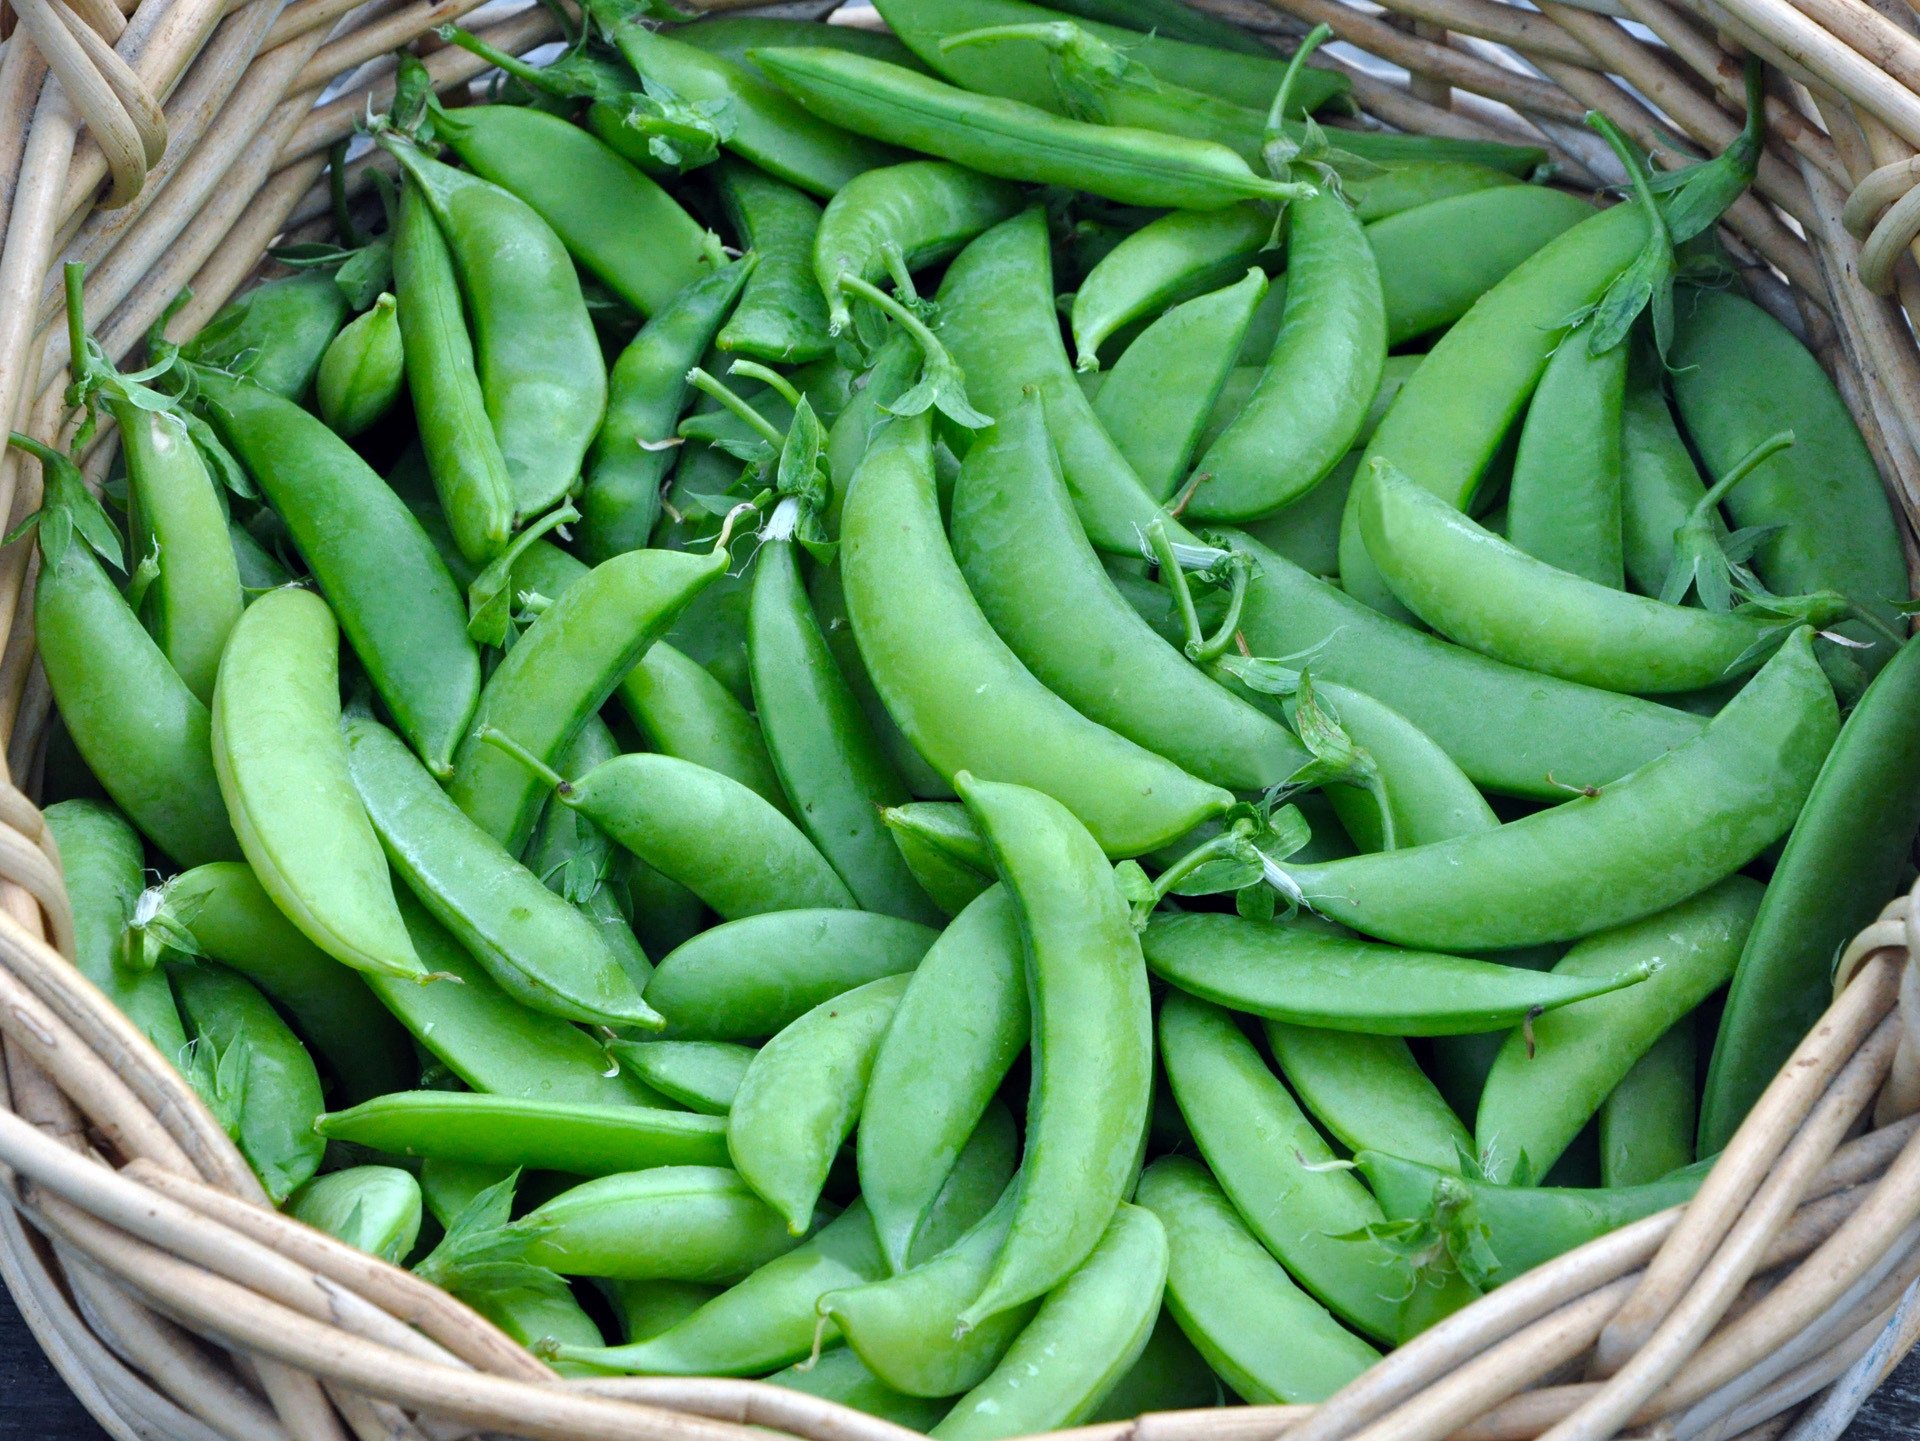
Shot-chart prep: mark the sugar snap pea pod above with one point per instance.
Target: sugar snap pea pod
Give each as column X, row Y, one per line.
column 924, row 209
column 782, row 314
column 538, row 359
column 1269, row 1160
column 1170, row 18
column 1415, row 183
column 647, row 1308
column 402, row 614
column 258, row 570
column 703, row 1076
column 575, row 1137
column 1673, row 827
column 541, row 950
column 1307, row 533
column 373, row 1208
column 734, row 35
column 1310, row 976
column 1563, row 504
column 1647, row 1121
column 1168, row 1375
column 839, row 1375
column 1368, row 1091
column 753, row 977
column 1011, row 139
column 363, row 372
column 100, row 862
column 1659, row 484
column 462, row 454
column 952, row 883
column 1084, row 1337
column 275, row 334
column 1040, row 585
column 1263, row 1335
column 250, row 1068
column 1163, row 261
column 1547, row 1084
column 1852, row 841
column 283, row 772
column 1092, row 1039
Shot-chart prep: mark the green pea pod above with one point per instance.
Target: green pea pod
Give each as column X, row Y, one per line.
column 403, row 616
column 1092, row 1039
column 536, row 1307
column 1563, row 504
column 282, row 765
column 703, row 1076
column 1168, row 17
column 1084, row 1337
column 1414, row 183
column 925, row 210
column 375, row 1209
column 461, row 452
column 258, row 570
column 1320, row 378
column 363, row 372
column 1164, row 261
column 577, row 1138
column 648, row 1308
column 646, row 390
column 254, row 1073
column 1368, row 1092
column 683, row 712
column 450, row 1187
column 100, row 862
column 1647, row 1121
column 961, row 1024
column 1168, row 1375
column 953, row 881
column 1273, row 1164
column 782, row 314
column 543, row 952
column 535, row 349
column 839, row 1375
column 756, row 976
column 735, row 35
column 1309, row 975
column 1306, row 534
column 275, row 334
column 1264, row 1336
column 1659, row 484
column 1849, row 847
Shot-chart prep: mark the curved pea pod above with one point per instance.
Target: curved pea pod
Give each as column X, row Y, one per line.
column 754, row 977
column 1659, row 484
column 275, row 334
column 1647, row 842
column 1167, row 1375
column 782, row 314
column 925, row 209
column 953, row 878
column 1310, row 976
column 1849, row 847
column 1307, row 533
column 676, row 1223
column 1564, row 504
column 1369, row 1092
column 703, row 1076
column 1264, row 1336
column 962, row 1022
column 735, row 35
column 1647, row 1121
column 100, row 862
column 249, row 1067
column 403, row 615
column 646, row 391
column 1414, row 183
column 258, row 570
column 648, row 1308
column 561, row 670
column 839, row 1375
column 1272, row 1163
column 1164, row 261
column 538, row 358
column 535, row 1307
column 375, row 1209
column 282, row 764
column 363, row 372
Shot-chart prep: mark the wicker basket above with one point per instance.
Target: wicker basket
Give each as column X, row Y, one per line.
column 168, row 146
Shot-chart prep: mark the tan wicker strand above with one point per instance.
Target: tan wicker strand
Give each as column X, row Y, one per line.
column 126, row 149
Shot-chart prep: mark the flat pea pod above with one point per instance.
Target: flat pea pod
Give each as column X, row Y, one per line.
column 1270, row 1161
column 461, row 451
column 364, row 371
column 962, row 1022
column 1264, row 1336
column 100, row 864
column 1645, row 843
column 542, row 951
column 561, row 670
column 283, row 771
column 255, row 1074
column 1850, row 844
column 1564, row 503
column 839, row 1375
column 782, row 314
column 1160, row 263
column 1308, row 975
column 1039, row 583
column 275, row 334
column 1659, row 484
column 754, row 977
column 1092, row 1038
column 703, row 1076
column 926, row 210
column 538, row 359
column 1168, row 1375
column 646, row 391
column 802, row 1093
column 617, row 223
column 403, row 615
column 1369, row 1092
column 1011, row 139
column 1546, row 1085
column 675, row 1223
column 958, row 692
column 375, row 1209
column 577, row 1138
column 1085, row 1335
column 1319, row 379
column 1647, row 1121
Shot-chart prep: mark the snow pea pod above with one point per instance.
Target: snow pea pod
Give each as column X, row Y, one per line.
column 363, row 372
column 1644, row 843
column 1263, row 1335
column 1647, row 1122
column 403, row 616
column 1659, row 484
column 1166, row 260
column 1563, row 504
column 703, row 1076
column 283, row 771
column 839, row 1375
column 375, row 1209
column 275, row 334
column 754, row 977
column 1368, row 1092
column 1850, row 845
column 782, row 314
column 578, row 1138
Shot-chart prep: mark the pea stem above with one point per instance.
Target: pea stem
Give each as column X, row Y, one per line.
column 1742, row 468
column 1176, row 581
column 769, row 377
column 712, row 385
column 1241, row 570
column 911, row 323
column 1226, row 842
column 1315, row 38
column 501, row 741
column 531, row 75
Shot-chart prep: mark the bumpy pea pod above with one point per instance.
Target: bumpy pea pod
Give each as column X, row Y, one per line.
column 839, row 1375
column 364, row 371
column 375, row 1209
column 1659, row 483
column 398, row 605
column 538, row 359
column 282, row 765
column 703, row 1076
column 782, row 314
column 1647, row 1122
column 1369, row 1092
column 577, row 1138
column 1263, row 1335
column 275, row 334
column 1563, row 504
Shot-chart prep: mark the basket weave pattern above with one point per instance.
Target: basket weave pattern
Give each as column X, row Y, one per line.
column 168, row 145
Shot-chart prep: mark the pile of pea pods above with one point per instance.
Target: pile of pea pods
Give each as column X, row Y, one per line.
column 1032, row 727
